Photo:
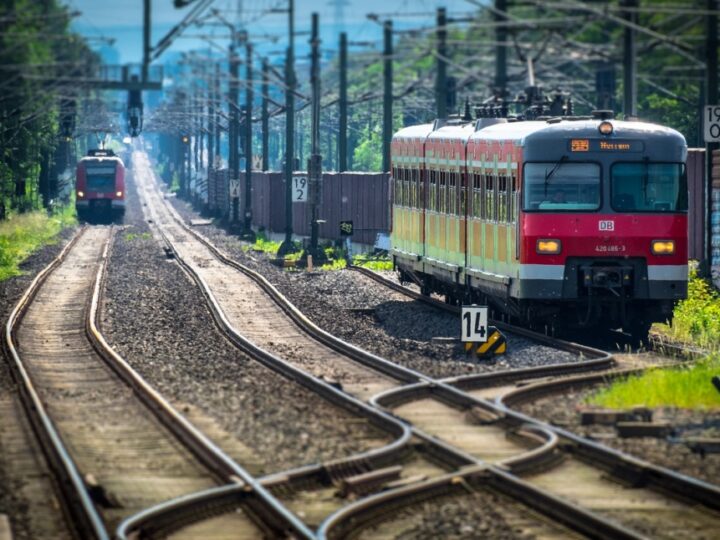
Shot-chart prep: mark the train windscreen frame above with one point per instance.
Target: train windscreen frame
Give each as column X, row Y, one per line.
column 648, row 186
column 100, row 178
column 562, row 186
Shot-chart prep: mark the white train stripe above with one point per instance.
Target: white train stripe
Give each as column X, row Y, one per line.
column 542, row 271
column 672, row 272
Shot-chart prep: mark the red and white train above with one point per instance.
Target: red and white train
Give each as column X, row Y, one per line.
column 100, row 186
column 581, row 222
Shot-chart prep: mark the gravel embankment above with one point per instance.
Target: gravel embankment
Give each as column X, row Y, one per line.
column 367, row 314
column 156, row 318
column 564, row 409
column 26, row 496
column 480, row 515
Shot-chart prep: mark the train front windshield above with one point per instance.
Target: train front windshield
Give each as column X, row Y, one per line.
column 101, row 179
column 561, row 186
column 648, row 187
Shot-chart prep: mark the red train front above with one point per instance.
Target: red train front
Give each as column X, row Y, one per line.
column 604, row 223
column 100, row 186
column 579, row 222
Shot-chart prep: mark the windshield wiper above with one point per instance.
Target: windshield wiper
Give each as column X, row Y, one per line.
column 549, row 175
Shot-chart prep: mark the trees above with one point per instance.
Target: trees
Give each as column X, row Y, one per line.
column 36, row 47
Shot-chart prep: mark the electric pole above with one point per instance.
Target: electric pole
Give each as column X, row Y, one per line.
column 387, row 95
column 342, row 135
column 234, row 131
column 287, row 246
column 217, row 110
column 147, row 21
column 248, row 233
column 630, row 61
column 441, row 81
column 315, row 161
column 210, row 127
column 265, row 116
column 711, row 93
column 500, row 49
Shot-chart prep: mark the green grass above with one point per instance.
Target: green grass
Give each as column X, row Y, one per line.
column 175, row 183
column 687, row 387
column 334, row 264
column 697, row 319
column 373, row 263
column 264, row 245
column 22, row 234
column 133, row 236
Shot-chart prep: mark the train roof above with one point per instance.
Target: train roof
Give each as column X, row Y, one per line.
column 101, row 159
column 535, row 130
column 419, row 131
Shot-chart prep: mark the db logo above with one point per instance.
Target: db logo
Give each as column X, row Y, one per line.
column 607, row 225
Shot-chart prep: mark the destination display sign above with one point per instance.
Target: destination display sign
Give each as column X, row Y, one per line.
column 606, row 145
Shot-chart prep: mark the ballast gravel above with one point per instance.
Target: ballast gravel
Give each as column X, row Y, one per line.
column 157, row 319
column 564, row 409
column 367, row 314
column 482, row 514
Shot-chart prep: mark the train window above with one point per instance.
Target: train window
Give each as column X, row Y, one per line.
column 411, row 188
column 463, row 195
column 398, row 187
column 489, row 198
column 502, row 199
column 561, row 186
column 452, row 193
column 476, row 194
column 513, row 198
column 406, row 187
column 432, row 200
column 648, row 187
column 442, row 193
column 420, row 188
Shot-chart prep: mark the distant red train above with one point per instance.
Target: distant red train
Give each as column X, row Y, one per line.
column 581, row 222
column 100, row 186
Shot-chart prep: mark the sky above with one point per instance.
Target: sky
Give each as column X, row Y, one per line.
column 122, row 21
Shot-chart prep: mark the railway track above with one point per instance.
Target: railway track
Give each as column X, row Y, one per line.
column 110, row 455
column 397, row 383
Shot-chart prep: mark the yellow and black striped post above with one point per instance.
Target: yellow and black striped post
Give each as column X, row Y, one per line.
column 495, row 344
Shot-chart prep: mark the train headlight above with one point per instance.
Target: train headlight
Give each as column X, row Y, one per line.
column 81, row 194
column 119, row 194
column 662, row 247
column 548, row 246
column 605, row 128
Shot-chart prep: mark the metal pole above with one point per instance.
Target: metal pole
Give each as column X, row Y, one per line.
column 387, row 95
column 500, row 49
column 210, row 127
column 234, row 127
column 315, row 161
column 711, row 93
column 342, row 135
column 147, row 22
column 265, row 116
column 248, row 233
column 287, row 246
column 217, row 110
column 630, row 62
column 441, row 80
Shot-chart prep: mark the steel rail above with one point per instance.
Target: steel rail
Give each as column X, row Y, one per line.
column 644, row 472
column 611, row 459
column 77, row 505
column 363, row 512
column 275, row 516
column 581, row 519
